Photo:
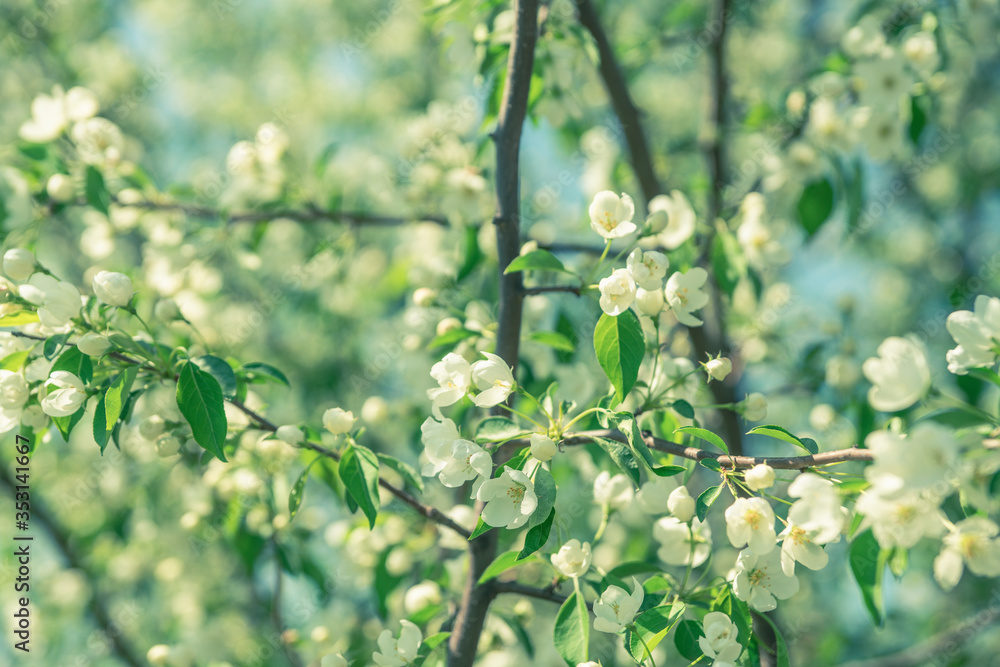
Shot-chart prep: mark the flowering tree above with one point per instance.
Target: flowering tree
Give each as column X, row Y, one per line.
column 558, row 488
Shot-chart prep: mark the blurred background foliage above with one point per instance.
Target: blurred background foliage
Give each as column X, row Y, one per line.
column 385, row 108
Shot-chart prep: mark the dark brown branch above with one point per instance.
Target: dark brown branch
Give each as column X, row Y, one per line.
column 548, row 593
column 97, row 605
column 308, row 213
column 572, row 289
column 621, row 100
column 476, row 598
column 731, row 462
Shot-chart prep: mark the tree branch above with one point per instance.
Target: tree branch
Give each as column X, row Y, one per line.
column 533, row 291
column 476, row 598
column 309, row 213
column 97, row 604
column 621, row 100
column 548, row 593
column 732, row 462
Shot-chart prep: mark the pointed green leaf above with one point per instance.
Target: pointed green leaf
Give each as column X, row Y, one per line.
column 220, row 370
column 572, row 630
column 199, row 398
column 620, row 346
column 96, row 191
column 114, row 398
column 780, row 433
column 265, row 372
column 704, row 434
column 622, row 457
column 686, row 639
column 868, row 562
column 405, row 470
column 298, row 489
column 815, row 205
column 359, row 472
column 536, row 260
column 706, row 500
column 537, row 536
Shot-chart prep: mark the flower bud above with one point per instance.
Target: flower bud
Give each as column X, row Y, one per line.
column 761, row 476
column 424, row 296
column 60, row 187
column 151, row 427
column 167, row 445
column 543, row 447
column 755, row 407
column 375, row 410
column 158, row 655
column 649, row 302
column 114, row 289
column 293, row 435
column 166, row 310
column 93, row 344
column 681, row 504
column 718, row 369
column 448, row 324
column 18, row 263
column 337, row 420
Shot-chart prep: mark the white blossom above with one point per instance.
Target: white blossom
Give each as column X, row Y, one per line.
column 572, row 559
column 66, row 393
column 454, row 377
column 672, row 219
column 721, row 641
column 338, row 420
column 57, row 301
column 14, row 392
column 760, row 579
column 615, row 492
column 617, row 292
column 617, row 608
column 421, row 595
column 50, row 114
column 905, row 463
column 684, row 295
column 864, row 39
column 761, row 476
column 971, row 542
column 510, row 499
column 290, row 434
column 649, row 302
column 611, row 215
column 977, row 335
column 439, row 438
column 750, row 521
column 900, row 521
column 494, row 379
column 467, row 461
column 98, row 141
column 395, row 652
column 652, row 496
column 647, row 268
column 18, row 263
column 883, row 81
column 683, row 543
column 899, row 375
column 114, row 289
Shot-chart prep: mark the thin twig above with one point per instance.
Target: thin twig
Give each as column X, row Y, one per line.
column 532, row 291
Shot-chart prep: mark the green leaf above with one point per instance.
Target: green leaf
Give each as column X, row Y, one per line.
column 779, row 433
column 554, row 340
column 815, row 205
column 66, row 424
column 496, row 429
column 359, row 473
column 53, row 344
column 19, row 318
column 75, row 362
column 957, row 418
column 620, row 346
column 572, row 630
column 683, row 408
column 473, row 254
column 405, row 470
column 101, row 431
column 265, row 372
column 653, row 626
column 536, row 260
column 199, row 398
column 626, row 423
column 298, row 489
column 96, row 191
column 668, row 471
column 706, row 500
column 868, row 562
column 918, row 119
column 711, row 464
column 704, row 434
column 451, row 338
column 15, row 361
column 220, row 370
column 537, row 536
column 427, row 647
column 622, row 457
column 502, row 563
column 481, row 527
column 686, row 639
column 545, row 490
column 115, row 397
column 779, row 642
